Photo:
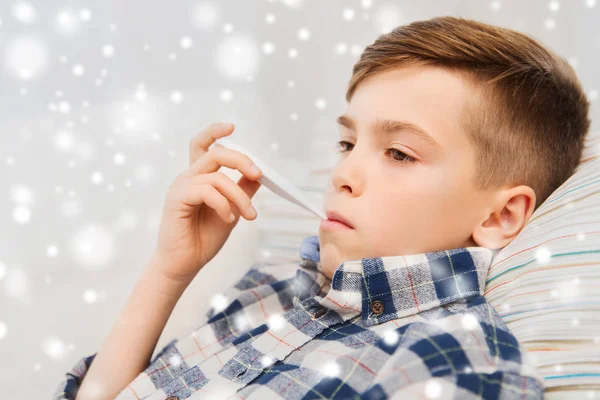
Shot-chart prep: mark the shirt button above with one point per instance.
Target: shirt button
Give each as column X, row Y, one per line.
column 377, row 307
column 320, row 312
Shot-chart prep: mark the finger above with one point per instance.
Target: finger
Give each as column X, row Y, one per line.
column 248, row 186
column 200, row 143
column 231, row 190
column 197, row 195
column 221, row 156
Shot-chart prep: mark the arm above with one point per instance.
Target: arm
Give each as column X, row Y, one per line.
column 194, row 226
column 126, row 352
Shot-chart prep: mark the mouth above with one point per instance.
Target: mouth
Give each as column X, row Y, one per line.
column 337, row 219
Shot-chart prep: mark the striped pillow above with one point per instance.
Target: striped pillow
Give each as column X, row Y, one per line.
column 545, row 285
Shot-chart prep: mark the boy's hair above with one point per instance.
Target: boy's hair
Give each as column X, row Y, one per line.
column 529, row 116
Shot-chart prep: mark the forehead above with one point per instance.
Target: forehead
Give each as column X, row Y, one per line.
column 430, row 97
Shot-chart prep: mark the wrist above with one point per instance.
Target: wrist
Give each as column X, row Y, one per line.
column 156, row 276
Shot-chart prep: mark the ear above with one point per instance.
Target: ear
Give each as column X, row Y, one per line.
column 507, row 219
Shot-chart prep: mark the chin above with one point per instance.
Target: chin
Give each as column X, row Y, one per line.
column 328, row 264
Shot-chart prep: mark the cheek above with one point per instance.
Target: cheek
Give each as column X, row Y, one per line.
column 409, row 203
column 439, row 185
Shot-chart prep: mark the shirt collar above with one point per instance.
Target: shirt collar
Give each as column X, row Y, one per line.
column 380, row 289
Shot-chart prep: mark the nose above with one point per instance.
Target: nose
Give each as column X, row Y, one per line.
column 347, row 176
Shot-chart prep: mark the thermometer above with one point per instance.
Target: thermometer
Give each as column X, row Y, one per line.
column 274, row 181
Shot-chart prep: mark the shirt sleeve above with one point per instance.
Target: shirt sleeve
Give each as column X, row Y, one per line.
column 467, row 386
column 68, row 388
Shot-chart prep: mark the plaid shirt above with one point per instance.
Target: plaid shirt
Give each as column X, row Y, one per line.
column 414, row 326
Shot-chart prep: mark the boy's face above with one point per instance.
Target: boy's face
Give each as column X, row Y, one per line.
column 402, row 208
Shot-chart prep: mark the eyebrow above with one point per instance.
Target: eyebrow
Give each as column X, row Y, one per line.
column 388, row 126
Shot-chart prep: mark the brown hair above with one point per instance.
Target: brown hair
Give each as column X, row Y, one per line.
column 529, row 116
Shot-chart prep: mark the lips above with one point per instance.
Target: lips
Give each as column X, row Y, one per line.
column 331, row 215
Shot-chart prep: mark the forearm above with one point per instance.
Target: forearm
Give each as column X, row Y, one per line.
column 128, row 348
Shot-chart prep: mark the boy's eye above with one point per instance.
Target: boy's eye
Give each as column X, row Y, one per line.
column 341, row 143
column 404, row 158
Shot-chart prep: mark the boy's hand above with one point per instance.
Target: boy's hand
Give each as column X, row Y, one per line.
column 195, row 222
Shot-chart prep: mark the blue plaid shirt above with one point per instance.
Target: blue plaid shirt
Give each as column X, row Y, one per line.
column 414, row 326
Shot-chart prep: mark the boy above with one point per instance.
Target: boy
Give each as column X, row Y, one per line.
column 455, row 132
